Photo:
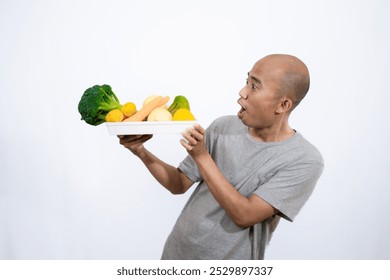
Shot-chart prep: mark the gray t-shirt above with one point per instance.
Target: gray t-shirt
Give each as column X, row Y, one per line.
column 282, row 173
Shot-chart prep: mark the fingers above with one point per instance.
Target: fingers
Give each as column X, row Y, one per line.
column 192, row 136
column 199, row 128
column 133, row 139
column 185, row 144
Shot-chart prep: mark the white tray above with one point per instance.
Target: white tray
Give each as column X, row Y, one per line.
column 128, row 128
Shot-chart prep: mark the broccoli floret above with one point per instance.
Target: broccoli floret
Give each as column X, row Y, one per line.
column 96, row 102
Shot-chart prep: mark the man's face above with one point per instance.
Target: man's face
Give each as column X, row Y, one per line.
column 259, row 98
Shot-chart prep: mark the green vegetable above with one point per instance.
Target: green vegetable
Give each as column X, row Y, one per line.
column 180, row 102
column 96, row 102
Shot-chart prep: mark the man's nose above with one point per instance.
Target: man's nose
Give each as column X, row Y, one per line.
column 243, row 93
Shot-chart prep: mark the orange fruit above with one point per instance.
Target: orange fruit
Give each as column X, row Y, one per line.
column 129, row 109
column 183, row 115
column 115, row 115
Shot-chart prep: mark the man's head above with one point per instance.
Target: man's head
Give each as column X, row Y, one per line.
column 275, row 86
column 290, row 75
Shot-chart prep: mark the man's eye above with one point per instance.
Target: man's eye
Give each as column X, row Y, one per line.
column 253, row 86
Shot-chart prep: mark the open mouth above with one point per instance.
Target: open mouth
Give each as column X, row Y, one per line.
column 241, row 112
column 242, row 109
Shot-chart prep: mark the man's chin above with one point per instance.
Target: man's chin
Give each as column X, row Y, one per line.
column 240, row 116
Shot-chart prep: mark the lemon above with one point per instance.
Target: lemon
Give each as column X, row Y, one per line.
column 115, row 115
column 129, row 109
column 183, row 115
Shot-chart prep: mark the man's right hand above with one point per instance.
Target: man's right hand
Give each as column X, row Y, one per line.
column 134, row 142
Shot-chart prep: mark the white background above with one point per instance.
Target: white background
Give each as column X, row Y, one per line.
column 70, row 191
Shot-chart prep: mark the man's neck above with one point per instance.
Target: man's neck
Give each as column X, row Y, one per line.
column 271, row 135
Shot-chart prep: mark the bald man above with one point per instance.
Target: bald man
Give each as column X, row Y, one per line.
column 250, row 169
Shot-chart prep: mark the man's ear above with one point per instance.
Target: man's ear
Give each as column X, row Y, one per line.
column 284, row 106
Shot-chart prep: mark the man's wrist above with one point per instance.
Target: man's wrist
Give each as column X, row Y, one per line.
column 202, row 157
column 140, row 152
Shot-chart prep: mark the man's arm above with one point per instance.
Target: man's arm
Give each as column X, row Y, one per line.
column 243, row 211
column 170, row 177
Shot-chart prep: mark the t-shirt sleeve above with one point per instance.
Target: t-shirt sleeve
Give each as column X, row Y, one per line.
column 190, row 169
column 289, row 189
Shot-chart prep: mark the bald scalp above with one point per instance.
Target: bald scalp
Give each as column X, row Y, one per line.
column 292, row 75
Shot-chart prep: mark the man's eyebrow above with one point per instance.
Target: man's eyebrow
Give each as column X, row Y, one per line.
column 254, row 78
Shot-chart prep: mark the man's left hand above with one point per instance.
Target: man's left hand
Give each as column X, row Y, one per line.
column 193, row 141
